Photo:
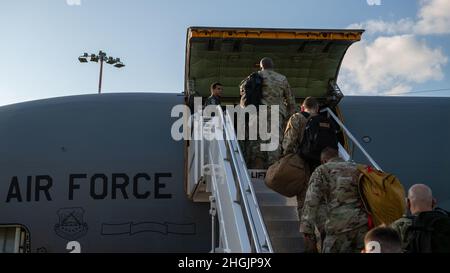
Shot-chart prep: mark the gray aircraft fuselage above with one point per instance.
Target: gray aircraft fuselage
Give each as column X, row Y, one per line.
column 104, row 171
column 407, row 136
column 101, row 170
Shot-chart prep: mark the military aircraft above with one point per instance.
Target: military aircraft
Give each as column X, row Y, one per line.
column 103, row 172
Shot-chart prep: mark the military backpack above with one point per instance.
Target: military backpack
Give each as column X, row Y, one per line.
column 429, row 232
column 251, row 90
column 382, row 194
column 319, row 133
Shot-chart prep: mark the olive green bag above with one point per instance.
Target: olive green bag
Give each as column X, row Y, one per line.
column 288, row 176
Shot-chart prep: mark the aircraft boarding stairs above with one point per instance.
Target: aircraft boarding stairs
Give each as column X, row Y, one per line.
column 246, row 216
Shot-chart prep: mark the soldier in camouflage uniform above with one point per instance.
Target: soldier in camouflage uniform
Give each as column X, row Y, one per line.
column 333, row 189
column 276, row 91
column 294, row 130
column 293, row 136
column 216, row 92
column 420, row 199
column 401, row 226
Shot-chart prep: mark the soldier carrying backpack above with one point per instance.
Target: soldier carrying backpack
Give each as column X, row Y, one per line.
column 320, row 132
column 427, row 230
column 309, row 132
column 270, row 88
column 290, row 175
column 251, row 90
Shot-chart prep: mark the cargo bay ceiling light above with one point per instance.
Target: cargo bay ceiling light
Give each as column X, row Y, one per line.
column 101, row 56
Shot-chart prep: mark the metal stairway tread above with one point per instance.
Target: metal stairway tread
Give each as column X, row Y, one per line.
column 260, row 187
column 283, row 228
column 288, row 244
column 279, row 213
column 275, row 199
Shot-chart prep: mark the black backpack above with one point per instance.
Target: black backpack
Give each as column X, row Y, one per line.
column 429, row 232
column 251, row 90
column 320, row 132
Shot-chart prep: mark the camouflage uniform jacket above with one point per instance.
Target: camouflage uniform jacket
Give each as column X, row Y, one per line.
column 276, row 91
column 401, row 226
column 333, row 185
column 212, row 100
column 293, row 134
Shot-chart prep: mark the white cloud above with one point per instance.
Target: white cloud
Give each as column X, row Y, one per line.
column 402, row 26
column 73, row 2
column 434, row 17
column 398, row 90
column 390, row 64
column 373, row 2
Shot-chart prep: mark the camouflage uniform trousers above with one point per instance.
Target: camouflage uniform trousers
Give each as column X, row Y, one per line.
column 347, row 242
column 254, row 157
column 321, row 217
column 302, row 194
column 319, row 231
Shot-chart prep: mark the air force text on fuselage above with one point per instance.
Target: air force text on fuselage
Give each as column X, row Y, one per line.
column 98, row 186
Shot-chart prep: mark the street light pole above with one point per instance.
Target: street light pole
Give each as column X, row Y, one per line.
column 101, row 73
column 102, row 58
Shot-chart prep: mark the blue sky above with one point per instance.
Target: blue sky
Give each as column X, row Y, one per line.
column 405, row 49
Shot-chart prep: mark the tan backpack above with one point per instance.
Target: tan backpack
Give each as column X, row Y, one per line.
column 288, row 176
column 383, row 195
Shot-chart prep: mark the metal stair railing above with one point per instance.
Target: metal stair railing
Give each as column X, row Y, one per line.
column 215, row 158
column 342, row 150
column 225, row 203
column 256, row 223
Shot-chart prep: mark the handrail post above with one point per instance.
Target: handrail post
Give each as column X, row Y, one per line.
column 213, row 211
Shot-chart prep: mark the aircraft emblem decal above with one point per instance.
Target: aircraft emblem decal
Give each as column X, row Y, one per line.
column 71, row 225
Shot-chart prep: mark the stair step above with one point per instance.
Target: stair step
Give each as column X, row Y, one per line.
column 280, row 216
column 288, row 244
column 260, row 187
column 275, row 199
column 279, row 213
column 283, row 228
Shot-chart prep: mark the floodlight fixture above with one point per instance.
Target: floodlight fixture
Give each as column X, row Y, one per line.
column 83, row 58
column 119, row 65
column 111, row 60
column 102, row 57
column 94, row 58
